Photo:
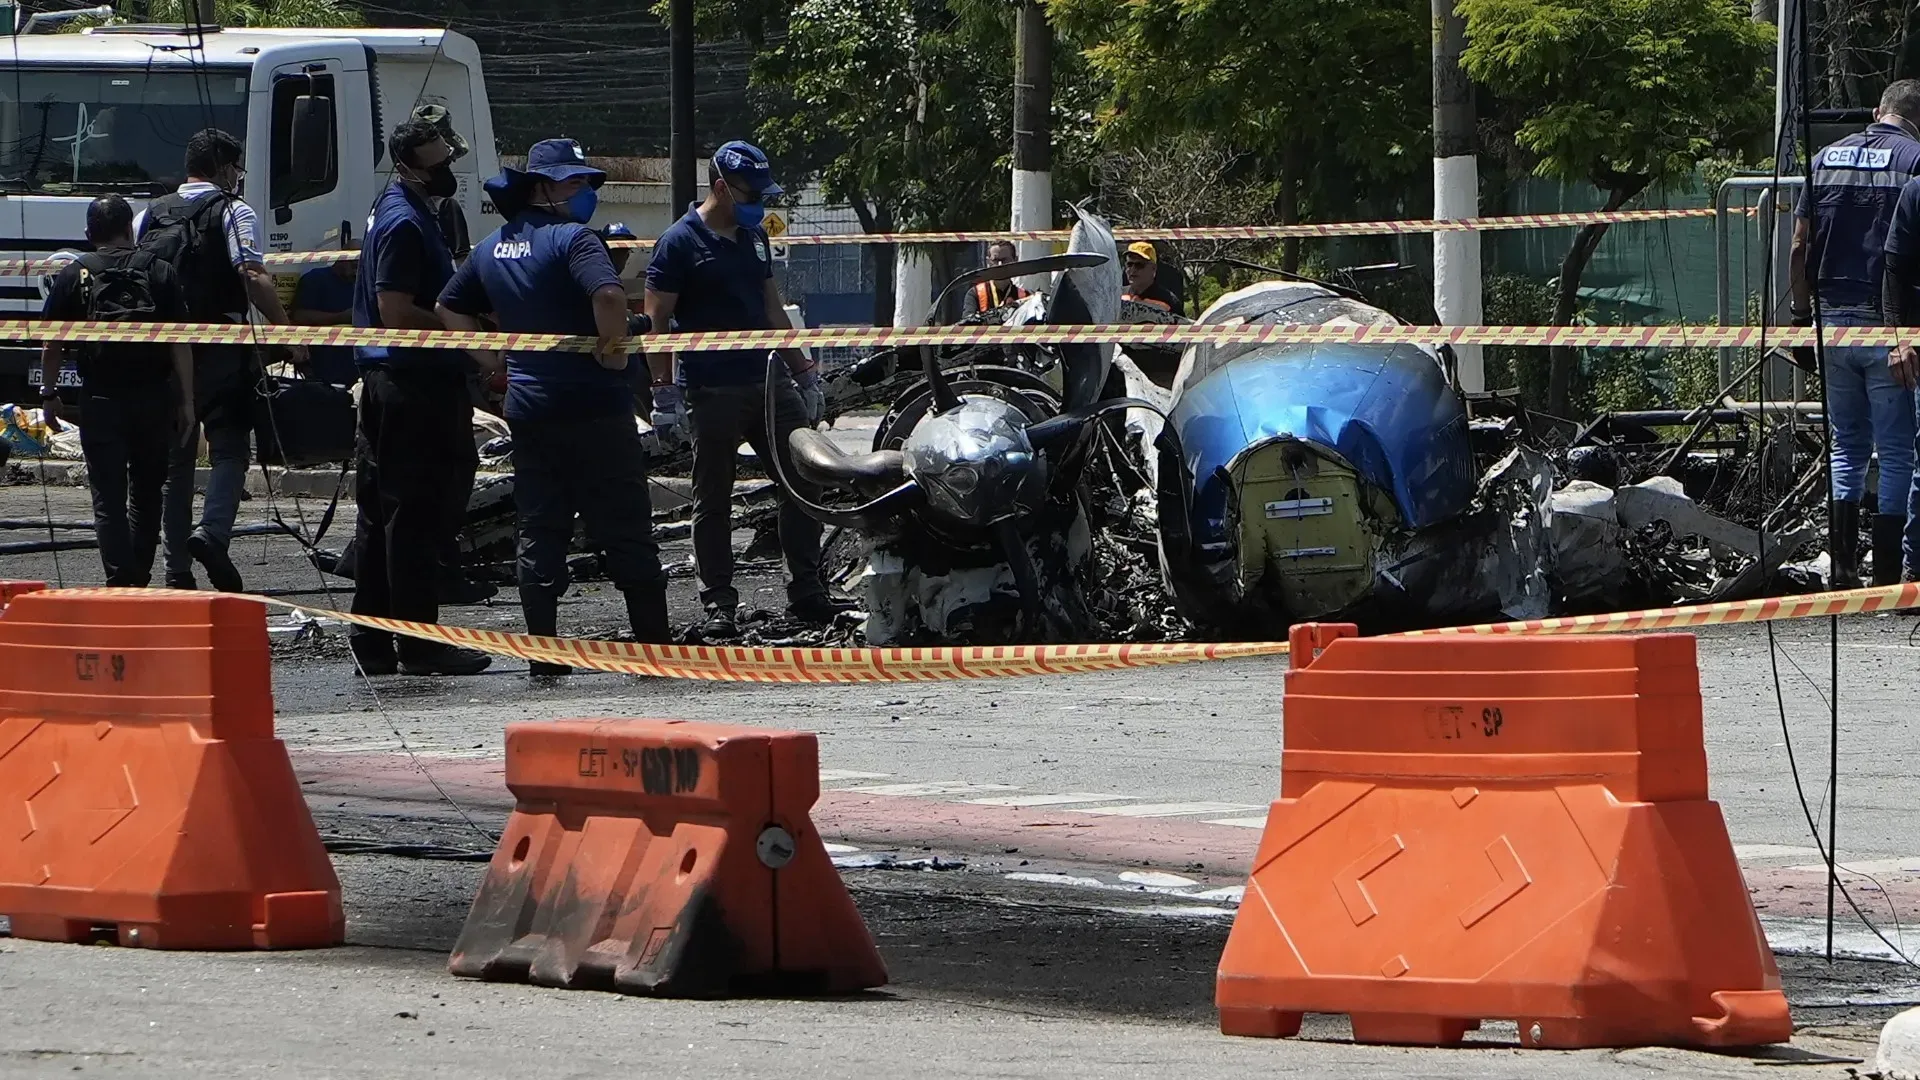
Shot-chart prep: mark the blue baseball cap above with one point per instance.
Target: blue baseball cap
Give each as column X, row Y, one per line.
column 549, row 159
column 553, row 159
column 746, row 162
column 617, row 231
column 561, row 159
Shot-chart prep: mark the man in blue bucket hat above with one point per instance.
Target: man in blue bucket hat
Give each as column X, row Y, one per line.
column 713, row 270
column 576, row 449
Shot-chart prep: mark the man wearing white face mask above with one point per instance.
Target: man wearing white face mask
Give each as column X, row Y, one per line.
column 212, row 240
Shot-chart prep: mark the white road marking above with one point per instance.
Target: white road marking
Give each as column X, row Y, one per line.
column 1808, row 937
column 841, row 849
column 1064, row 799
column 1156, row 878
column 1241, row 822
column 1744, row 852
column 833, row 776
column 937, row 787
column 1908, row 865
column 1167, row 809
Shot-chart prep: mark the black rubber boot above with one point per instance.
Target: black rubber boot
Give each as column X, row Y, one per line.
column 373, row 652
column 542, row 610
column 647, row 611
column 1888, row 531
column 1843, row 546
column 437, row 658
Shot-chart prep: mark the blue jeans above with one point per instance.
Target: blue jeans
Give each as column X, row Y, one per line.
column 227, row 453
column 1868, row 410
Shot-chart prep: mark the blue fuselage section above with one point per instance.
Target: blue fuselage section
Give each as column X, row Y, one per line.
column 1386, row 410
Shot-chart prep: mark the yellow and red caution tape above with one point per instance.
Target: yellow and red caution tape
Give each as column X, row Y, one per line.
column 1682, row 336
column 1770, row 609
column 1205, row 232
column 944, row 664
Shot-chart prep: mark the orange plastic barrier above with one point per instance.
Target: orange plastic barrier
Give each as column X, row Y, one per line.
column 11, row 589
column 668, row 858
column 143, row 795
column 1498, row 828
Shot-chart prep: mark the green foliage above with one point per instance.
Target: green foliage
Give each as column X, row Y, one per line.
column 1517, row 300
column 315, row 13
column 1341, row 86
column 1600, row 90
column 904, row 103
column 903, row 108
column 1622, row 379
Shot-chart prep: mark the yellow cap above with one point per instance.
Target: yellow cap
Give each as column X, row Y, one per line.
column 1144, row 250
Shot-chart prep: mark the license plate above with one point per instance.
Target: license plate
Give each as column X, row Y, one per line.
column 68, row 377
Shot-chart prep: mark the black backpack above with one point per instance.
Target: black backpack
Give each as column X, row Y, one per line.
column 120, row 290
column 189, row 235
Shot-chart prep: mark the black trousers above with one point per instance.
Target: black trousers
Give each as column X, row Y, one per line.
column 414, row 439
column 125, row 442
column 595, row 468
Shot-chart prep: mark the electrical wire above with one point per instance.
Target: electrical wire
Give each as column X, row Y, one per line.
column 1783, row 146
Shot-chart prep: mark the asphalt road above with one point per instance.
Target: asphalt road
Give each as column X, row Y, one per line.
column 1038, row 958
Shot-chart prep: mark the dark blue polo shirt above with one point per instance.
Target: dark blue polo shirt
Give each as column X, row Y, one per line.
column 721, row 285
column 1856, row 186
column 324, row 290
column 537, row 275
column 403, row 252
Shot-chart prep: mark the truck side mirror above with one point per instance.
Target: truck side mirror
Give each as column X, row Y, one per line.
column 310, row 146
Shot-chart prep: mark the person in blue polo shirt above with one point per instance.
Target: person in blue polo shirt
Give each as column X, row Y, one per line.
column 713, row 270
column 415, row 417
column 1838, row 256
column 576, row 449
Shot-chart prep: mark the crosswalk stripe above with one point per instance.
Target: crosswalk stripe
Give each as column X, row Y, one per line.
column 1168, row 809
column 1063, row 799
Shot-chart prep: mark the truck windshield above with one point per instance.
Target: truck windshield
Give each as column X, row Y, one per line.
column 92, row 130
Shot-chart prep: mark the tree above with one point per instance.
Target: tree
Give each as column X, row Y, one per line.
column 318, row 13
column 902, row 109
column 1622, row 94
column 1329, row 95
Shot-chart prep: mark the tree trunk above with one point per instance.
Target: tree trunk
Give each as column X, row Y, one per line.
column 1765, row 11
column 877, row 218
column 1290, row 203
column 1567, row 296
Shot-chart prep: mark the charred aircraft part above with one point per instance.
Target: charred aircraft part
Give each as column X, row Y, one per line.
column 975, row 502
column 1337, row 482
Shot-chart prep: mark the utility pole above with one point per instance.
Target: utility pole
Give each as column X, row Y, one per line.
column 1032, row 130
column 680, row 103
column 205, row 8
column 1456, row 191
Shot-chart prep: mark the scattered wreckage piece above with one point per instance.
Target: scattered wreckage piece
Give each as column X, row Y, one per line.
column 1652, row 543
column 984, row 506
column 1338, row 482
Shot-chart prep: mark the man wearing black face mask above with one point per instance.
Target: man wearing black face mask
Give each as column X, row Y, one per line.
column 415, row 415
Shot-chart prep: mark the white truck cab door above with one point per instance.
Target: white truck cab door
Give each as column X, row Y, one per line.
column 316, row 166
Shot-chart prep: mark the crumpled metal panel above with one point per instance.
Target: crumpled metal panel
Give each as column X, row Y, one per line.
column 1387, row 411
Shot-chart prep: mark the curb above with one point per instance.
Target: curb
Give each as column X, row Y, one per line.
column 1899, row 1055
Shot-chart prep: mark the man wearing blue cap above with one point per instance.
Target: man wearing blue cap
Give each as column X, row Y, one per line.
column 713, row 270
column 575, row 447
column 416, row 448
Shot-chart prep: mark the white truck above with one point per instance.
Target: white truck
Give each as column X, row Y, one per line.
column 111, row 110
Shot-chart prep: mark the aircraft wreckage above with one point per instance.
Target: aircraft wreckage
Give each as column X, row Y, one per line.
column 1047, row 493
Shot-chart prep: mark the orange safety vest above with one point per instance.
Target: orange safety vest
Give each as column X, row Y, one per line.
column 986, row 297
